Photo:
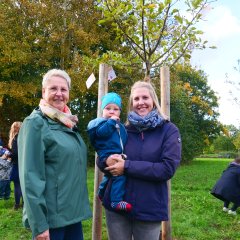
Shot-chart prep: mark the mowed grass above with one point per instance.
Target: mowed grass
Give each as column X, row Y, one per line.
column 196, row 214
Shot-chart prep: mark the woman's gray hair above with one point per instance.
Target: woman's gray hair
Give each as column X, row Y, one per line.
column 56, row 72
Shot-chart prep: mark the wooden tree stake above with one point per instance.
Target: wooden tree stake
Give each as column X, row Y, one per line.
column 165, row 105
column 97, row 205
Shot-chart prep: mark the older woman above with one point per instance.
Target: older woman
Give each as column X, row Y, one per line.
column 153, row 153
column 52, row 165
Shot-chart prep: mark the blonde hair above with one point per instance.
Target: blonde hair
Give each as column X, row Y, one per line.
column 152, row 92
column 13, row 132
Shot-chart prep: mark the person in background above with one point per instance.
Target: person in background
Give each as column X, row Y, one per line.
column 5, row 171
column 1, row 141
column 2, row 150
column 53, row 165
column 13, row 146
column 227, row 188
column 108, row 136
column 153, row 152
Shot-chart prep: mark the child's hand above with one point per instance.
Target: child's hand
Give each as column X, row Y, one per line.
column 115, row 118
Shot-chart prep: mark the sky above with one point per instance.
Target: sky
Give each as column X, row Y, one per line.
column 221, row 28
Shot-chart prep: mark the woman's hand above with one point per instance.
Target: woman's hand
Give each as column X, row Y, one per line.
column 43, row 236
column 112, row 159
column 117, row 168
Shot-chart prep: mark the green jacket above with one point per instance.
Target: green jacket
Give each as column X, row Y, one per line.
column 53, row 174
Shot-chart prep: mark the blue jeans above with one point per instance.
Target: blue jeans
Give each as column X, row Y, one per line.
column 5, row 189
column 117, row 188
column 70, row 232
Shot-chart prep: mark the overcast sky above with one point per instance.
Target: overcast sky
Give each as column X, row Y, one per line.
column 222, row 29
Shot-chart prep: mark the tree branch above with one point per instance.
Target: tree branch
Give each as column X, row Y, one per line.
column 178, row 39
column 143, row 34
column 161, row 33
column 123, row 31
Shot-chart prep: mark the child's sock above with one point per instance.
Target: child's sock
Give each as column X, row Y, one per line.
column 121, row 206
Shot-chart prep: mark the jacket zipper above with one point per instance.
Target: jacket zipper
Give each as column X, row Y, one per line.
column 142, row 135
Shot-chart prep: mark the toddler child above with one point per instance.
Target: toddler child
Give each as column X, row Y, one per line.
column 108, row 136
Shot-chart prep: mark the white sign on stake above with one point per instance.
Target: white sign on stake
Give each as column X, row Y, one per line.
column 90, row 80
column 111, row 75
column 144, row 66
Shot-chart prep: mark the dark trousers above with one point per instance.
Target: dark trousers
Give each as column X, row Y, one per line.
column 234, row 207
column 5, row 189
column 70, row 232
column 17, row 192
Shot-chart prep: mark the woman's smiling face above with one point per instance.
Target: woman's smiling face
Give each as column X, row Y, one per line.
column 142, row 102
column 56, row 92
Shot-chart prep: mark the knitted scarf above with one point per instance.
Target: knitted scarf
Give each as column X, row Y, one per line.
column 64, row 117
column 151, row 120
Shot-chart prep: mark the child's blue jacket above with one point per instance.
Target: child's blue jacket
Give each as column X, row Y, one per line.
column 105, row 138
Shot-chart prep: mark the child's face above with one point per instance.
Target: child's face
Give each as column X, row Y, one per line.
column 111, row 110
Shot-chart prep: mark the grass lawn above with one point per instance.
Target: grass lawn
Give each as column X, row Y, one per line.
column 196, row 214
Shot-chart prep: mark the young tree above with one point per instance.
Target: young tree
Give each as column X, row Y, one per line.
column 157, row 32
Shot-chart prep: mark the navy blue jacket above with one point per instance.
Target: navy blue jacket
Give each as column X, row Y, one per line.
column 14, row 150
column 105, row 137
column 227, row 188
column 152, row 158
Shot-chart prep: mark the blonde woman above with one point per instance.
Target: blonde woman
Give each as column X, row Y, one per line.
column 13, row 146
column 153, row 152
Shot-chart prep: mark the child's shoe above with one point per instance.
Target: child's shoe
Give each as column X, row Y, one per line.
column 231, row 212
column 121, row 206
column 225, row 209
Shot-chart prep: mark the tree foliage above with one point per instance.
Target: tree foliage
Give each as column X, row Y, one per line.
column 45, row 34
column 157, row 32
column 224, row 143
column 39, row 35
column 194, row 110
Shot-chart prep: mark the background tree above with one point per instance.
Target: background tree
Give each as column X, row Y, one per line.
column 39, row 35
column 224, row 145
column 194, row 110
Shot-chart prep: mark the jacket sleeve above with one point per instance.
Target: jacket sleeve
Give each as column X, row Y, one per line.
column 163, row 169
column 106, row 128
column 32, row 172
